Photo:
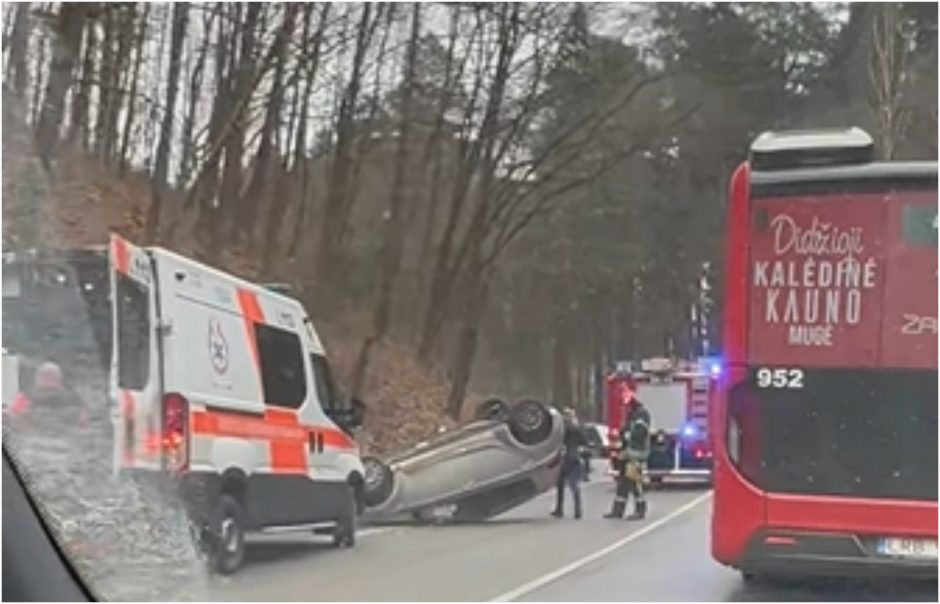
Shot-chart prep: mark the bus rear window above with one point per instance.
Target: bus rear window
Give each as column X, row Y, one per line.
column 919, row 225
column 846, row 433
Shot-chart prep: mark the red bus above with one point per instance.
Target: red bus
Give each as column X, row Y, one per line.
column 825, row 424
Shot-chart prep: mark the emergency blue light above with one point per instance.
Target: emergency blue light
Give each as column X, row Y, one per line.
column 689, row 430
column 715, row 369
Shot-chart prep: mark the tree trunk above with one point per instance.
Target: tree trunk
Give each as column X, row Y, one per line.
column 159, row 179
column 393, row 240
column 467, row 341
column 132, row 94
column 106, row 71
column 328, row 241
column 887, row 72
column 300, row 144
column 78, row 123
column 561, row 354
column 17, row 68
column 480, row 155
column 188, row 156
column 124, row 23
column 66, row 44
column 266, row 156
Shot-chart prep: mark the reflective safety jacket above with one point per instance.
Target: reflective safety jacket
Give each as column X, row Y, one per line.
column 635, row 434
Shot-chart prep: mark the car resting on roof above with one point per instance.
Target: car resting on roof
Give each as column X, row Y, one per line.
column 507, row 456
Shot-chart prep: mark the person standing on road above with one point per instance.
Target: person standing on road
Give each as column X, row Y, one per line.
column 570, row 473
column 634, row 449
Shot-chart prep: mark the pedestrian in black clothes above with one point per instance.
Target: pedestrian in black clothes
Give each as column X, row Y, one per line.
column 571, row 465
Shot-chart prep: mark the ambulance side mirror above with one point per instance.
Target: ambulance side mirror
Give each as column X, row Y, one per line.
column 357, row 412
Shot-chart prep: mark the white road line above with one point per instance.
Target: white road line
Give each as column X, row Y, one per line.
column 547, row 578
column 373, row 531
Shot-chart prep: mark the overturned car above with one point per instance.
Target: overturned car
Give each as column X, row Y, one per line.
column 506, row 457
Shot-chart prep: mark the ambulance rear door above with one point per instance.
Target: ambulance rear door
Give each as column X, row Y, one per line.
column 134, row 381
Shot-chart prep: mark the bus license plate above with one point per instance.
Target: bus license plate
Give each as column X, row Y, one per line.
column 923, row 549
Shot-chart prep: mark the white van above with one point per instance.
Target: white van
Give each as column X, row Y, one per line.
column 224, row 385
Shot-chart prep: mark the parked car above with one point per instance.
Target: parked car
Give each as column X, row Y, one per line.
column 598, row 441
column 504, row 458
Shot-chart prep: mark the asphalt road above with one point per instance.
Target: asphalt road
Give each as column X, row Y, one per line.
column 526, row 555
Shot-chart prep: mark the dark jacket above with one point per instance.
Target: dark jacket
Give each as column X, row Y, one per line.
column 635, row 434
column 574, row 440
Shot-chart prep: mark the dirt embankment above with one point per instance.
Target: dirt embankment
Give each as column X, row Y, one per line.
column 82, row 201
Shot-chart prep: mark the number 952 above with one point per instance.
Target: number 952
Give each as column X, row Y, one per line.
column 779, row 378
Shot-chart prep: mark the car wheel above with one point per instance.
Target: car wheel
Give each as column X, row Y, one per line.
column 344, row 533
column 530, row 422
column 378, row 482
column 493, row 409
column 229, row 548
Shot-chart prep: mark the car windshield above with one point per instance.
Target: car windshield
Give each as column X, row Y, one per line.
column 649, row 289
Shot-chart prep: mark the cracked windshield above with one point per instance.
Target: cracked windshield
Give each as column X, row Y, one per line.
column 469, row 301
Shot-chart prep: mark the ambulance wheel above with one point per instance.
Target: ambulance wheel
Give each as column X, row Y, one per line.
column 378, row 482
column 229, row 550
column 530, row 422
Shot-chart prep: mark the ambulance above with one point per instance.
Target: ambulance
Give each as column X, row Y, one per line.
column 677, row 395
column 224, row 386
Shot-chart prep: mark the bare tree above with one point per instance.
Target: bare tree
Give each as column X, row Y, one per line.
column 17, row 69
column 196, row 75
column 66, row 44
column 158, row 181
column 311, row 65
column 393, row 239
column 888, row 73
column 338, row 188
column 130, row 112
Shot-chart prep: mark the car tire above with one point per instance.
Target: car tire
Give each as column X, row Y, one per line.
column 530, row 422
column 492, row 409
column 228, row 551
column 344, row 533
column 378, row 482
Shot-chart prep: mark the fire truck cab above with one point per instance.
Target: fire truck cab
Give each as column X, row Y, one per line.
column 677, row 395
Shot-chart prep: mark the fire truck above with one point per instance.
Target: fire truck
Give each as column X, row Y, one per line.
column 677, row 395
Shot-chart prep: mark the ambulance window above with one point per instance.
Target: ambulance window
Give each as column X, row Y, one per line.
column 282, row 366
column 133, row 318
column 326, row 389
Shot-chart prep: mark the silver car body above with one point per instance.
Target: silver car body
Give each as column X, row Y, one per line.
column 474, row 460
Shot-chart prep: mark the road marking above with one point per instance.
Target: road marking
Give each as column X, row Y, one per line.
column 373, row 531
column 547, row 578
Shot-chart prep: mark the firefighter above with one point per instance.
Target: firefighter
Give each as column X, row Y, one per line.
column 634, row 449
column 570, row 473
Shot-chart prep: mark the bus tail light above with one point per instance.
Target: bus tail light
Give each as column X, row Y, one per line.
column 175, row 442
